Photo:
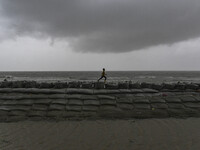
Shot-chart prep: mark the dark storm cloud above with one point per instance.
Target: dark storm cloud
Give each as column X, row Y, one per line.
column 106, row 25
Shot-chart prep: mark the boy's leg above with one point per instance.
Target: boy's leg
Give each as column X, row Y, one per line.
column 100, row 78
column 105, row 78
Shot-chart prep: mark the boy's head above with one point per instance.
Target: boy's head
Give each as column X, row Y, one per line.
column 103, row 69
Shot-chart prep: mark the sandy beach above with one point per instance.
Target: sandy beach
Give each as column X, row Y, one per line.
column 146, row 134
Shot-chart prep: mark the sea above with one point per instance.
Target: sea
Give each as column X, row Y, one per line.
column 112, row 76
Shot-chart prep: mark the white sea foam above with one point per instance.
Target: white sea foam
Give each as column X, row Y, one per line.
column 112, row 76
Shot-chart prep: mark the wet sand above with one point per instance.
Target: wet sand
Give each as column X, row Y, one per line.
column 145, row 134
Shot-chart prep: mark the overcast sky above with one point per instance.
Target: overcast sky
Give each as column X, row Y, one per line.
column 68, row 35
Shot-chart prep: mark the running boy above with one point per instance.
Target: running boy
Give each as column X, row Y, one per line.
column 103, row 75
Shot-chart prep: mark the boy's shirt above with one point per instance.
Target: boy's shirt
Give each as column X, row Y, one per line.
column 103, row 73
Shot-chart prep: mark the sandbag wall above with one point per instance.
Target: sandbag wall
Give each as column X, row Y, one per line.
column 37, row 104
column 101, row 85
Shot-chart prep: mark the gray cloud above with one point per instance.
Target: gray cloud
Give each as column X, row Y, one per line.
column 105, row 25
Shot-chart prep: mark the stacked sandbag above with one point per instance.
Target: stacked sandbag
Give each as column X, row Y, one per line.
column 81, row 103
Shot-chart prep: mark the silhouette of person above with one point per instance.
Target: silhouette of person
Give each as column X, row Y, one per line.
column 103, row 75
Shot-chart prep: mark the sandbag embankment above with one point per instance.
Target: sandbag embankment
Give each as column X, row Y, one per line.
column 75, row 103
column 100, row 85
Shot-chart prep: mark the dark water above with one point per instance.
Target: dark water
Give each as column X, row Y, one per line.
column 135, row 76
